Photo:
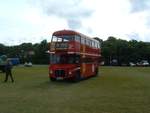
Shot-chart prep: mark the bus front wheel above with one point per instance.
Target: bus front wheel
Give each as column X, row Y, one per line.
column 52, row 79
column 77, row 77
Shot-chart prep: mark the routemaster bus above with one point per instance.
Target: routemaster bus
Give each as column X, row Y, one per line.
column 73, row 56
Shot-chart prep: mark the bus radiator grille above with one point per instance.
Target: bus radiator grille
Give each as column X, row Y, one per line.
column 59, row 73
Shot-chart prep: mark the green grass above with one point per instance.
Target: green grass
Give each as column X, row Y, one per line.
column 115, row 90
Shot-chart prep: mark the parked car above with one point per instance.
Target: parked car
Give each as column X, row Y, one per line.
column 114, row 62
column 132, row 64
column 144, row 63
column 28, row 64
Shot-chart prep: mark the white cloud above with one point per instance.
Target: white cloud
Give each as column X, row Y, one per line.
column 108, row 19
column 117, row 20
column 33, row 21
column 28, row 24
column 70, row 10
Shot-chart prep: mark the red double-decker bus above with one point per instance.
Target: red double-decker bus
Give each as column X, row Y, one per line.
column 73, row 56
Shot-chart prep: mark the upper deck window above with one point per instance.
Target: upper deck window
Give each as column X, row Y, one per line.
column 82, row 40
column 77, row 38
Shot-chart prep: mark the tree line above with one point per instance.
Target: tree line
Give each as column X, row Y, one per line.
column 124, row 51
column 112, row 49
column 28, row 52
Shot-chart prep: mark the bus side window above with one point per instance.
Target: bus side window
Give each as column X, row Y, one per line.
column 87, row 42
column 77, row 38
column 99, row 45
column 77, row 59
column 92, row 43
column 95, row 45
column 83, row 40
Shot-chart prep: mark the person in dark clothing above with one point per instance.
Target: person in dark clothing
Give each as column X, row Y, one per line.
column 8, row 68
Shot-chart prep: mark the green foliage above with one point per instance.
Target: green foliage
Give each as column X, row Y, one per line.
column 125, row 51
column 28, row 52
column 112, row 48
column 40, row 56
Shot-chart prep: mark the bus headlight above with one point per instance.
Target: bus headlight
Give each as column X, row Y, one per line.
column 70, row 72
column 50, row 71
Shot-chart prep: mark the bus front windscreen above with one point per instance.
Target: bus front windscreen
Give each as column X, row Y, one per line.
column 64, row 59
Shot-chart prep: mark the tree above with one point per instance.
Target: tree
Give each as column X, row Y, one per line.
column 113, row 48
column 2, row 49
column 41, row 57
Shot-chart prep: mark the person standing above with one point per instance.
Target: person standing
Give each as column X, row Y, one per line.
column 8, row 68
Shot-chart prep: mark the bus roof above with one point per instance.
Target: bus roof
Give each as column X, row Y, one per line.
column 65, row 32
column 71, row 32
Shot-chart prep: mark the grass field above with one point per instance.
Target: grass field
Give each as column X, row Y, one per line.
column 115, row 90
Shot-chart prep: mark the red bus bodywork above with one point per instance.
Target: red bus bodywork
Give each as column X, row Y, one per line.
column 73, row 56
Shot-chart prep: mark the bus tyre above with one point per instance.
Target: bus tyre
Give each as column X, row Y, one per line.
column 77, row 77
column 3, row 70
column 52, row 79
column 96, row 72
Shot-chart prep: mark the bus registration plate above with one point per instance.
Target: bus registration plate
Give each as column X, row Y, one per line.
column 59, row 78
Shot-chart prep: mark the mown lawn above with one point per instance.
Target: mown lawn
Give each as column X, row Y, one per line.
column 115, row 90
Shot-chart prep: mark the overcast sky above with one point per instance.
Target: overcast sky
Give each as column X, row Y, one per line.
column 35, row 20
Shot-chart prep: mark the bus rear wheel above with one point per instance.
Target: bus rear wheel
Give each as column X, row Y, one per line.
column 96, row 72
